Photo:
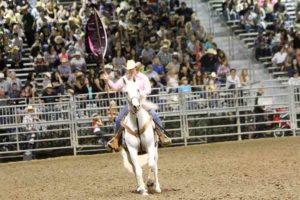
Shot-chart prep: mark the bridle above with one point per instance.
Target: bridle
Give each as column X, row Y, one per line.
column 133, row 108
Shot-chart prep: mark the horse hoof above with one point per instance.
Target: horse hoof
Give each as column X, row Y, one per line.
column 142, row 191
column 157, row 190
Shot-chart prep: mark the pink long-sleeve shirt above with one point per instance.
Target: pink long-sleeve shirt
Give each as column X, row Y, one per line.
column 141, row 80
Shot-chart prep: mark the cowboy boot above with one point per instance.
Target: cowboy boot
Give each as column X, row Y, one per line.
column 114, row 143
column 163, row 138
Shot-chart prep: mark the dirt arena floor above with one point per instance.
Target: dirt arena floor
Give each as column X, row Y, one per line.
column 256, row 169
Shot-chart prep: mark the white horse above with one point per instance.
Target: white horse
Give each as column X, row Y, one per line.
column 139, row 135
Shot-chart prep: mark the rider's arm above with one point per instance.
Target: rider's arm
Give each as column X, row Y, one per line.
column 117, row 85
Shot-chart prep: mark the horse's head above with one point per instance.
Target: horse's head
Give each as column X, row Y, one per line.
column 133, row 95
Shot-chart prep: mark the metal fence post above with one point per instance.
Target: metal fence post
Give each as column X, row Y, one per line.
column 73, row 129
column 182, row 108
column 293, row 114
column 238, row 122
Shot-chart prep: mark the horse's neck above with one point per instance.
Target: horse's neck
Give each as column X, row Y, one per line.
column 142, row 115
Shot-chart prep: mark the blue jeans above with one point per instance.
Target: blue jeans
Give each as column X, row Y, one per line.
column 123, row 113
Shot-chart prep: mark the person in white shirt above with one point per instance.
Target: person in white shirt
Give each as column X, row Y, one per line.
column 295, row 80
column 17, row 41
column 233, row 81
column 279, row 58
column 30, row 121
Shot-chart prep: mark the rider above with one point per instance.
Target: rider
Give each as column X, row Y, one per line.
column 144, row 87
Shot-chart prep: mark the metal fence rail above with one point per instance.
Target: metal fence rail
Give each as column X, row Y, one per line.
column 197, row 117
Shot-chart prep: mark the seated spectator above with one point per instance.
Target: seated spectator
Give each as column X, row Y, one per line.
column 185, row 72
column 295, row 80
column 268, row 8
column 46, row 79
column 233, row 81
column 247, row 20
column 185, row 87
column 65, row 69
column 262, row 46
column 63, row 55
column 154, row 87
column 80, row 84
column 31, row 80
column 150, row 73
column 174, row 64
column 71, row 80
column 209, row 61
column 244, row 78
column 172, row 80
column 108, row 68
column 40, row 64
column 49, row 95
column 147, row 54
column 223, row 72
column 14, row 93
column 164, row 55
column 184, row 11
column 4, row 85
column 78, row 63
column 17, row 41
column 100, row 85
column 51, row 57
column 16, row 58
column 119, row 62
column 14, row 79
column 157, row 67
column 278, row 7
column 279, row 58
column 57, row 83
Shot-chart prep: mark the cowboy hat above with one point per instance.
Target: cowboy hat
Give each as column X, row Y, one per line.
column 15, row 48
column 39, row 56
column 211, row 51
column 95, row 116
column 78, row 74
column 213, row 75
column 58, row 39
column 47, row 74
column 166, row 42
column 130, row 64
column 77, row 53
column 39, row 5
column 70, row 91
column 108, row 66
column 165, row 46
column 49, row 85
column 1, row 75
column 29, row 108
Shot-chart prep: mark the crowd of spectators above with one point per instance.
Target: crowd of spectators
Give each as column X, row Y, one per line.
column 278, row 35
column 165, row 36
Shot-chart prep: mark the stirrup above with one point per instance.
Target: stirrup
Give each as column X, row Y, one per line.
column 165, row 140
column 113, row 144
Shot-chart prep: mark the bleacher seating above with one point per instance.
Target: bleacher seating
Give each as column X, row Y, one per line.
column 249, row 37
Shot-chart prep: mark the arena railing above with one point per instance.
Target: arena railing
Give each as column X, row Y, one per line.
column 200, row 116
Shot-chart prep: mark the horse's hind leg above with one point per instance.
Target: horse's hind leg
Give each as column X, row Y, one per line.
column 138, row 172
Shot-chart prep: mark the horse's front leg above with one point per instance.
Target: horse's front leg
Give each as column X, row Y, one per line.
column 153, row 157
column 138, row 171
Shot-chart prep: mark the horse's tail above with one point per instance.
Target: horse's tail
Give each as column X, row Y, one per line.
column 143, row 160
